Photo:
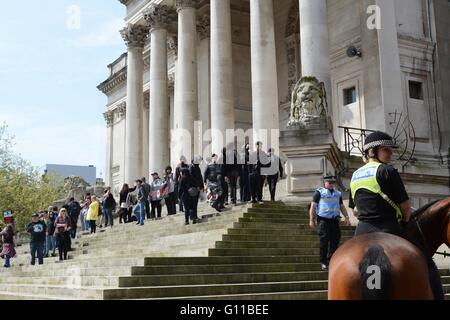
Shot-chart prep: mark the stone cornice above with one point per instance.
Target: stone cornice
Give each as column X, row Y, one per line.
column 109, row 118
column 158, row 16
column 124, row 2
column 135, row 36
column 112, row 82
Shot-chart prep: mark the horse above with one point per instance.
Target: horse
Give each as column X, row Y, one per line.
column 401, row 263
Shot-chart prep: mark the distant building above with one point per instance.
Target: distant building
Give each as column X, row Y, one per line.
column 88, row 173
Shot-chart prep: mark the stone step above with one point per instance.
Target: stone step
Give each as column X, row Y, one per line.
column 220, row 260
column 218, row 278
column 68, row 292
column 294, row 295
column 295, row 221
column 294, row 212
column 71, row 271
column 266, row 244
column 274, row 237
column 239, row 229
column 268, row 225
column 214, row 289
column 263, row 251
column 73, row 281
column 268, row 215
column 224, row 268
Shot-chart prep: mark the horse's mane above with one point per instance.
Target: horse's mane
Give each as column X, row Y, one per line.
column 421, row 210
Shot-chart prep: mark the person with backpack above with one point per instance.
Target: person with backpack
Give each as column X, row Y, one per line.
column 214, row 180
column 84, row 210
column 182, row 165
column 109, row 205
column 158, row 191
column 171, row 198
column 9, row 244
column 74, row 213
column 189, row 194
column 50, row 241
column 62, row 233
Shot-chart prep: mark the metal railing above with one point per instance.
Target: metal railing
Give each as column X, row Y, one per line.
column 354, row 139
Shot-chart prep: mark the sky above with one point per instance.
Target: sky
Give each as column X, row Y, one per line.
column 53, row 54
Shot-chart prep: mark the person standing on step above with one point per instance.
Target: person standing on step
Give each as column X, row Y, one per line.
column 189, row 195
column 62, row 233
column 171, row 200
column 9, row 244
column 84, row 210
column 196, row 174
column 326, row 208
column 182, row 165
column 244, row 182
column 147, row 190
column 231, row 171
column 109, row 205
column 139, row 209
column 93, row 213
column 37, row 229
column 157, row 193
column 213, row 180
column 74, row 213
column 50, row 244
column 258, row 160
column 272, row 178
column 125, row 203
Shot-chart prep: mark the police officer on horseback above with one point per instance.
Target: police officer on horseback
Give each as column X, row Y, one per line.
column 377, row 193
column 326, row 207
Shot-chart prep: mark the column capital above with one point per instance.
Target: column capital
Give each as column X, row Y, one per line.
column 183, row 4
column 158, row 16
column 109, row 118
column 134, row 35
column 122, row 110
column 204, row 27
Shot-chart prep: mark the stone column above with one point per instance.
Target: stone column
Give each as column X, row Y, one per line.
column 134, row 36
column 158, row 17
column 109, row 118
column 264, row 73
column 222, row 97
column 185, row 110
column 204, row 82
column 145, row 135
column 314, row 43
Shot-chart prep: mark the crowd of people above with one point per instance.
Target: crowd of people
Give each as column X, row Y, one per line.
column 55, row 227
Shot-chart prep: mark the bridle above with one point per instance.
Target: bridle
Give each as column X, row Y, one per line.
column 416, row 216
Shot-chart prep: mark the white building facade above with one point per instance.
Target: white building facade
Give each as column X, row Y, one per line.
column 232, row 64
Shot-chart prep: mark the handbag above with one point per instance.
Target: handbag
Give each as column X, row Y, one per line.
column 193, row 191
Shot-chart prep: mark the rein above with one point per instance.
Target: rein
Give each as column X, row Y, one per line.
column 416, row 216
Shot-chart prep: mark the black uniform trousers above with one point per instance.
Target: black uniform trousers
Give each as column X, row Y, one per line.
column 272, row 181
column 330, row 236
column 256, row 187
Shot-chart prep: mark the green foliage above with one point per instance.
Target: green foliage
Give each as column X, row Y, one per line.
column 22, row 189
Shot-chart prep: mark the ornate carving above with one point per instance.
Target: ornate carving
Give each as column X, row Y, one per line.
column 111, row 83
column 293, row 19
column 172, row 44
column 75, row 187
column 157, row 16
column 309, row 102
column 204, row 27
column 182, row 4
column 171, row 81
column 135, row 35
column 109, row 118
column 122, row 110
column 146, row 99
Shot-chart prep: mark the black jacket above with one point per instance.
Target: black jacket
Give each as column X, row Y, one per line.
column 212, row 172
column 196, row 175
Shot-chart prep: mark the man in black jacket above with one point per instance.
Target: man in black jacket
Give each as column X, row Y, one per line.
column 231, row 171
column 272, row 179
column 197, row 178
column 258, row 160
column 182, row 165
column 213, row 178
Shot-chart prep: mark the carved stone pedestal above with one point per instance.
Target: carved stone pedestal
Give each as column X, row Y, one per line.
column 311, row 154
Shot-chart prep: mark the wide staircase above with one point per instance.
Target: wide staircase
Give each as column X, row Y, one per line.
column 251, row 252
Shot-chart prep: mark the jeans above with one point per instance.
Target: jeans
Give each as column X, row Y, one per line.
column 7, row 261
column 233, row 185
column 37, row 248
column 139, row 211
column 108, row 212
column 171, row 203
column 84, row 223
column 188, row 203
column 50, row 244
column 256, row 186
column 244, row 184
column 63, row 244
column 92, row 225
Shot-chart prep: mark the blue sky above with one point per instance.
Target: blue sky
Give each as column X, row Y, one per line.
column 51, row 60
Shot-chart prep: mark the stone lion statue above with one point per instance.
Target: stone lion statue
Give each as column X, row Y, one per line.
column 309, row 102
column 75, row 187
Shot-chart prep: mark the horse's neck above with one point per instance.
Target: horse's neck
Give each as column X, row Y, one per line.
column 432, row 225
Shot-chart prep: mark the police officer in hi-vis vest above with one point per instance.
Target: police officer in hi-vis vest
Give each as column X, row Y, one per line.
column 377, row 194
column 379, row 199
column 327, row 205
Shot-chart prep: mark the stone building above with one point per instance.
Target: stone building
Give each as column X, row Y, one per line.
column 233, row 64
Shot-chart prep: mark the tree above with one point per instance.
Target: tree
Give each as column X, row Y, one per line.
column 22, row 188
